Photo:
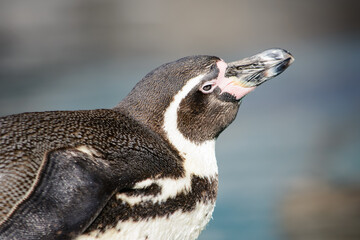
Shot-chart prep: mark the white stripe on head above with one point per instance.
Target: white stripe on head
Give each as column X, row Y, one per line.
column 199, row 158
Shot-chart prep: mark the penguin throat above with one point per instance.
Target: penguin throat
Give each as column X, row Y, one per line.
column 199, row 157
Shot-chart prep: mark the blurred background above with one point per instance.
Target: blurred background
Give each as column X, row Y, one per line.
column 290, row 163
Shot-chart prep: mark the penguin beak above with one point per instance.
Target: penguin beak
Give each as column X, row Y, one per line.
column 243, row 76
column 253, row 71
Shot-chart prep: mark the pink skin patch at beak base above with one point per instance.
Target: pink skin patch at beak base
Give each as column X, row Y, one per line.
column 230, row 86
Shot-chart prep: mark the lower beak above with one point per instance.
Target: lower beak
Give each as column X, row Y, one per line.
column 253, row 71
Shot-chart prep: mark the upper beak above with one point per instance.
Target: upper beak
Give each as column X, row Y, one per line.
column 255, row 70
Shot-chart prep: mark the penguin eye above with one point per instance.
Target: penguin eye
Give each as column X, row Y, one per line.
column 207, row 87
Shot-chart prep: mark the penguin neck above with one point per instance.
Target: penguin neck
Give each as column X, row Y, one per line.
column 147, row 112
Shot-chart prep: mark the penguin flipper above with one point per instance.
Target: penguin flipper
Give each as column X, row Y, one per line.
column 71, row 191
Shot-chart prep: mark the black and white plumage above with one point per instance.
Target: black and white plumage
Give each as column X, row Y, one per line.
column 143, row 170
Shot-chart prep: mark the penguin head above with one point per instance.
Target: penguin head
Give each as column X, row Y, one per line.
column 199, row 96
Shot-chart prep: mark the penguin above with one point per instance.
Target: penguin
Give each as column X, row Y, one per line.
column 145, row 169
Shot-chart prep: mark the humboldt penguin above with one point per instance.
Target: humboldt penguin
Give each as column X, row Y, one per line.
column 145, row 169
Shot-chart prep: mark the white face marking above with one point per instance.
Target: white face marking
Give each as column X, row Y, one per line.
column 178, row 226
column 199, row 158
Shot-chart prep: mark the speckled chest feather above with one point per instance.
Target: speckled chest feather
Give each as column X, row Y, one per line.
column 151, row 212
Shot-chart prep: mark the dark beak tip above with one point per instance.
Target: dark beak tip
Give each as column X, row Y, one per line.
column 290, row 57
